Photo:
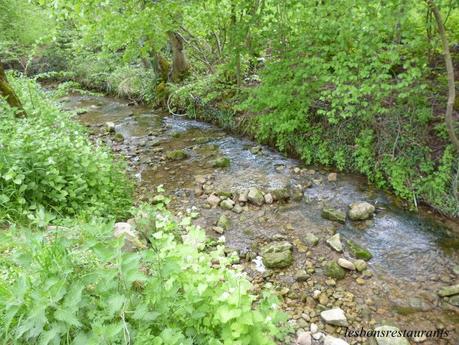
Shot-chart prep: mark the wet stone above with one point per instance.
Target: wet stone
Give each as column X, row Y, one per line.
column 360, row 265
column 335, row 242
column 449, row 291
column 255, row 196
column 277, row 254
column 333, row 214
column 361, row 211
column 335, row 271
column 220, row 162
column 311, row 239
column 227, row 204
column 346, row 264
column 358, row 251
column 176, row 155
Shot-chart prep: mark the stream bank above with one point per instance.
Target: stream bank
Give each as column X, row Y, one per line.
column 209, row 172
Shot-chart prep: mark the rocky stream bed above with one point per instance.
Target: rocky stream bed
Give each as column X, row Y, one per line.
column 292, row 226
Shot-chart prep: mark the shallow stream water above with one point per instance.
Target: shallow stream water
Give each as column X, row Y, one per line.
column 414, row 254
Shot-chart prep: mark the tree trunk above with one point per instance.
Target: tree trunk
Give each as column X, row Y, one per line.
column 180, row 65
column 450, row 70
column 8, row 93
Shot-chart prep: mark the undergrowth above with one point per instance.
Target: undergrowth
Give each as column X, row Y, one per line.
column 74, row 284
column 47, row 162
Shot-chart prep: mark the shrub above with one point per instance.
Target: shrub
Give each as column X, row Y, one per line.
column 75, row 285
column 47, row 161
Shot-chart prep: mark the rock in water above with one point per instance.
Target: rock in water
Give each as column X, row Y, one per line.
column 221, row 162
column 361, row 211
column 269, row 198
column 213, row 200
column 280, row 194
column 176, row 155
column 333, row 214
column 329, row 340
column 358, row 251
column 227, row 204
column 449, row 291
column 333, row 270
column 335, row 242
column 255, row 196
column 388, row 339
column 243, row 197
column 334, row 317
column 311, row 239
column 256, row 150
column 454, row 301
column 346, row 264
column 360, row 265
column 277, row 254
column 110, row 127
column 332, row 177
column 224, row 222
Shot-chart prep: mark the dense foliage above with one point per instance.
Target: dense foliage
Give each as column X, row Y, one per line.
column 356, row 85
column 47, row 162
column 75, row 285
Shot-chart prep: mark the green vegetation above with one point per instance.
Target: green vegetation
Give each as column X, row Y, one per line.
column 363, row 92
column 47, row 163
column 360, row 86
column 74, row 284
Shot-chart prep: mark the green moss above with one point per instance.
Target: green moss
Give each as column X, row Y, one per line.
column 358, row 251
column 176, row 155
column 335, row 271
column 221, row 162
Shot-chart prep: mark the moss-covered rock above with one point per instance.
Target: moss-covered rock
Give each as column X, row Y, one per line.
column 224, row 222
column 118, row 138
column 333, row 214
column 221, row 162
column 277, row 255
column 335, row 271
column 255, row 196
column 358, row 251
column 176, row 155
column 281, row 194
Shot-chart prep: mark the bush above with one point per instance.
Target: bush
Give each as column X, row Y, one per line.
column 75, row 285
column 47, row 161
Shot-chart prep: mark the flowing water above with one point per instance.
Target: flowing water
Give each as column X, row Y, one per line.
column 414, row 254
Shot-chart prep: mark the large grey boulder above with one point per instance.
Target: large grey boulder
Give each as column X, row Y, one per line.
column 361, row 211
column 277, row 254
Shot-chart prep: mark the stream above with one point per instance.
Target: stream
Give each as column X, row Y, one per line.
column 414, row 254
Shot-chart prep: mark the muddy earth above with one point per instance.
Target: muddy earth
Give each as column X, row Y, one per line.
column 209, row 172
